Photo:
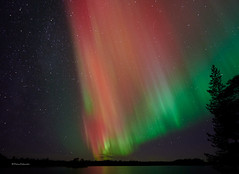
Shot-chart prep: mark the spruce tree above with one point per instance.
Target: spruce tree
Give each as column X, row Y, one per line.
column 216, row 88
column 224, row 105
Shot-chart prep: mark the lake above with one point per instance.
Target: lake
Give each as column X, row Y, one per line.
column 116, row 170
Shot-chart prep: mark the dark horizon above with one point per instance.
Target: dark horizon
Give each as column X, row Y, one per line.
column 79, row 163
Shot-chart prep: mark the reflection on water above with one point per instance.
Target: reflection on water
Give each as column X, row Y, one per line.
column 149, row 170
column 117, row 170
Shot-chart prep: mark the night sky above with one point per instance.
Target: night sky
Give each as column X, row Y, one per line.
column 121, row 78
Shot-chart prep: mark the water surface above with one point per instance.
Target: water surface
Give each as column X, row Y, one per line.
column 117, row 170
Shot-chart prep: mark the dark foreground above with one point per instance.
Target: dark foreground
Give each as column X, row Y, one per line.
column 35, row 164
column 76, row 163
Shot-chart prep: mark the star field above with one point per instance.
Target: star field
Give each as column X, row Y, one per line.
column 82, row 78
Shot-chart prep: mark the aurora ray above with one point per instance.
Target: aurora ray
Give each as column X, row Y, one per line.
column 138, row 79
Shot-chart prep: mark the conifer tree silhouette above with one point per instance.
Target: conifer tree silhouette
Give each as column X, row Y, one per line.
column 224, row 105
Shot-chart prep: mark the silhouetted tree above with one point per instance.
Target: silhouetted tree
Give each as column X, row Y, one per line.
column 215, row 89
column 76, row 159
column 224, row 105
column 230, row 110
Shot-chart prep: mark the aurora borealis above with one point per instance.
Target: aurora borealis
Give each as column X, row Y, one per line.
column 139, row 81
column 112, row 79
